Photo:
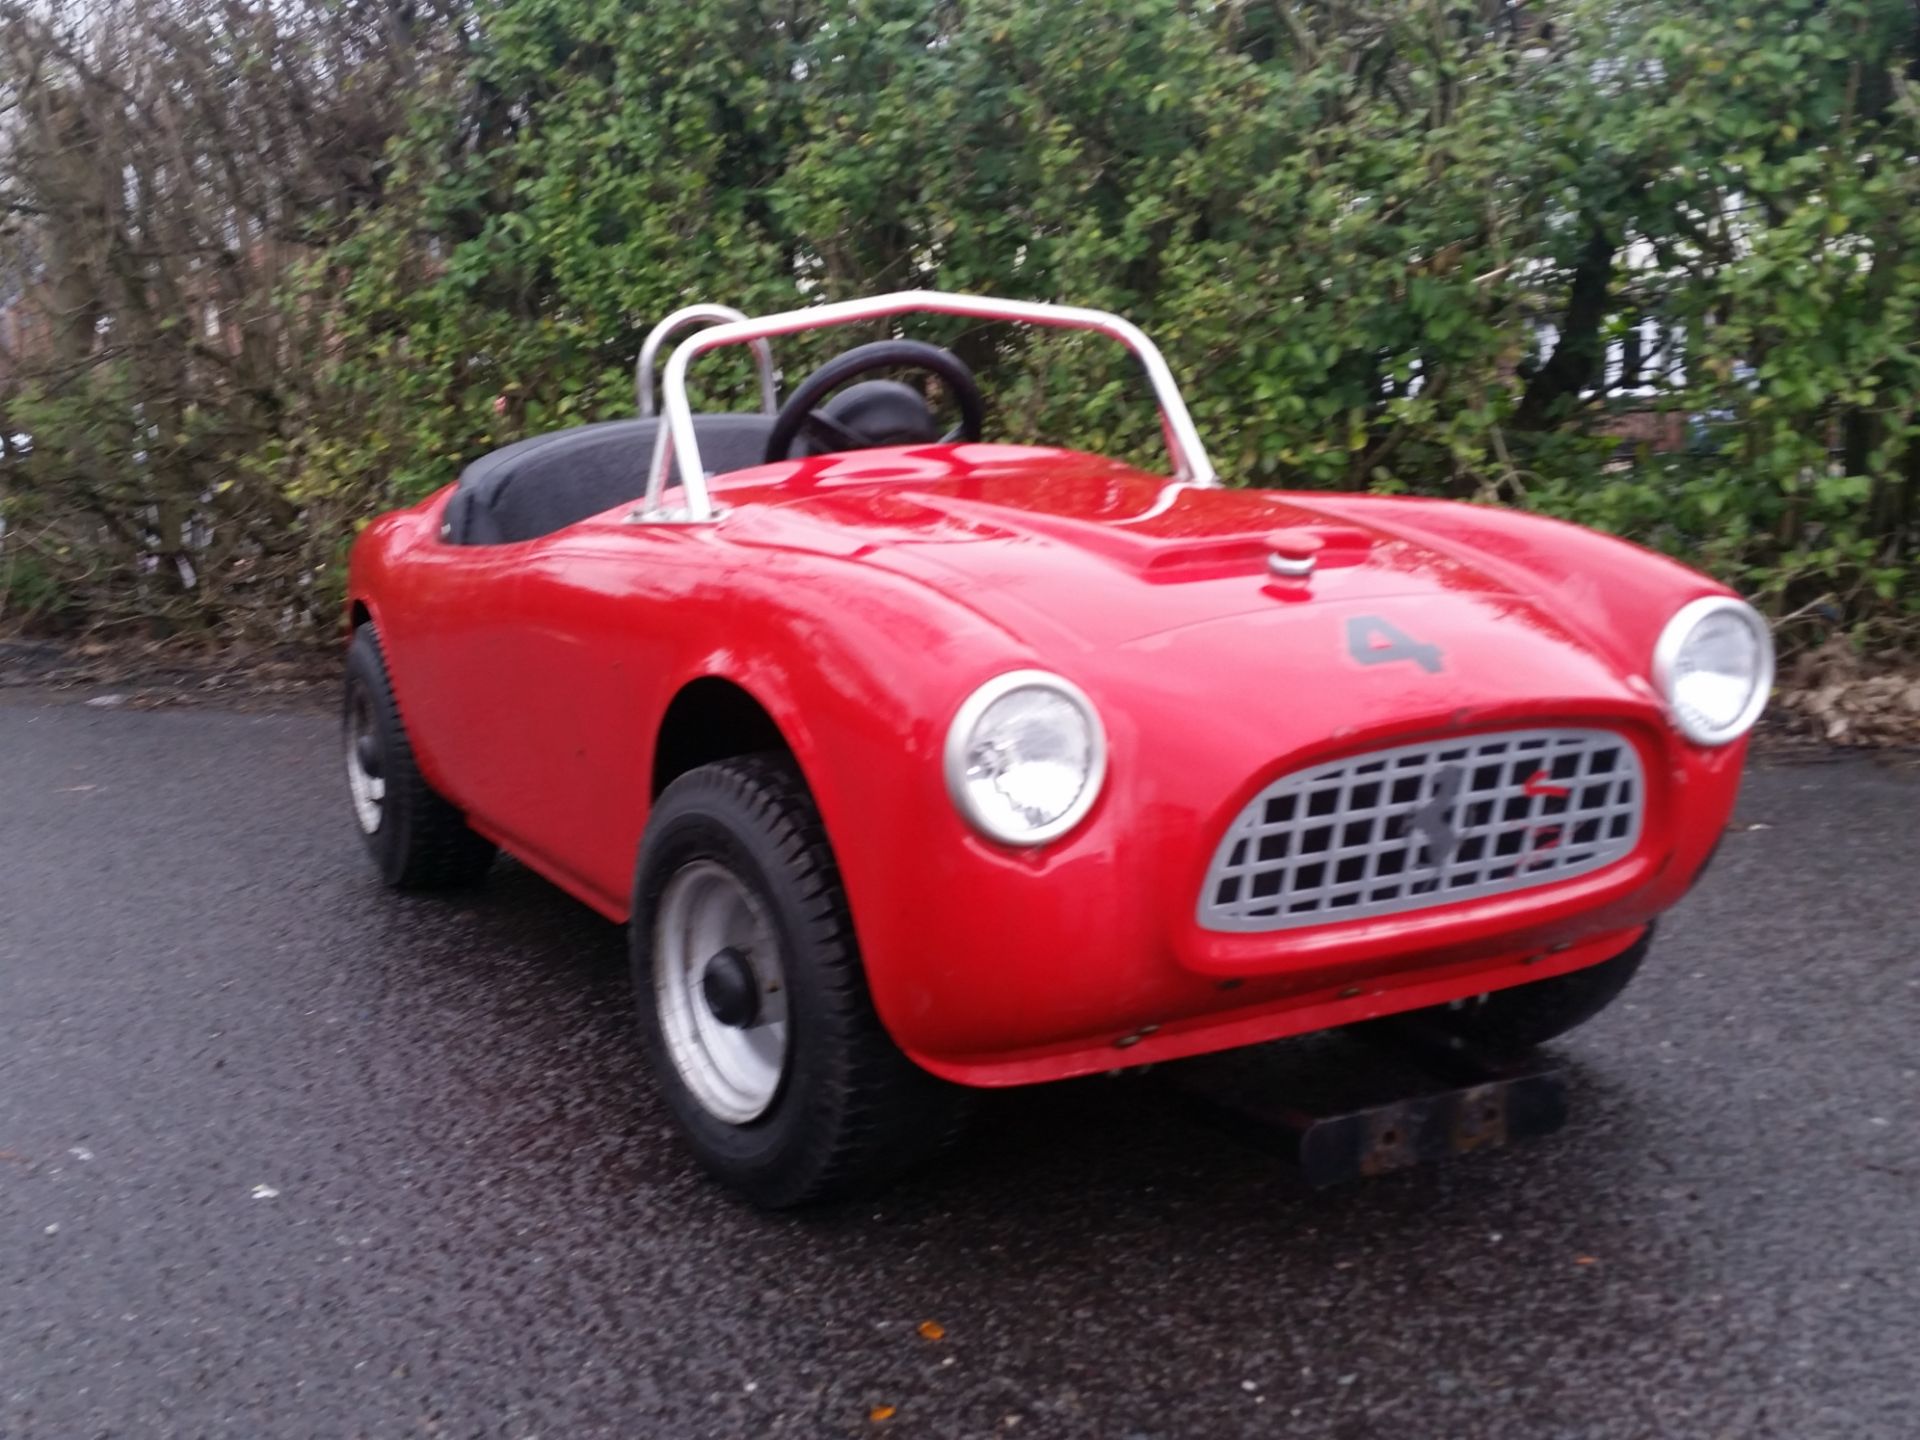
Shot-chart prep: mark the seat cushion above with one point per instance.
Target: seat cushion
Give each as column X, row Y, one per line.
column 545, row 483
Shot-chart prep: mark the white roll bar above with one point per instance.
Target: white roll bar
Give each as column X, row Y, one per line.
column 698, row 315
column 678, row 442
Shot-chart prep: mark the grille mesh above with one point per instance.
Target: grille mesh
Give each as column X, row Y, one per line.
column 1424, row 825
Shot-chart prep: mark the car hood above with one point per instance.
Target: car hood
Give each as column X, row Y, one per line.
column 1070, row 549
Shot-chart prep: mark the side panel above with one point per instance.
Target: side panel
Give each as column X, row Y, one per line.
column 442, row 612
column 601, row 628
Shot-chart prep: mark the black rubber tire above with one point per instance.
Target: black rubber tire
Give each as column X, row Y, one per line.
column 422, row 842
column 851, row 1112
column 1513, row 1021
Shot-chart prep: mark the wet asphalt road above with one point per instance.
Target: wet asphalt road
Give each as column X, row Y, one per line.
column 284, row 1155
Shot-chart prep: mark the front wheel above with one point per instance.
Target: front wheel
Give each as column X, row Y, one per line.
column 753, row 1002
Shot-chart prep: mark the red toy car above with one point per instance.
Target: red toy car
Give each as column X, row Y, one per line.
column 918, row 762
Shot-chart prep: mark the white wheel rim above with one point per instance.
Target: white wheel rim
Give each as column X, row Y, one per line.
column 367, row 786
column 734, row 1071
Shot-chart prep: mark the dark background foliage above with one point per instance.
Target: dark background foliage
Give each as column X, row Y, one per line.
column 1650, row 265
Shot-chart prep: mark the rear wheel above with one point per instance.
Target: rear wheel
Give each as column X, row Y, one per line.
column 1513, row 1021
column 417, row 839
column 753, row 1001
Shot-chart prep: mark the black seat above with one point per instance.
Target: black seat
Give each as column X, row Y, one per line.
column 544, row 483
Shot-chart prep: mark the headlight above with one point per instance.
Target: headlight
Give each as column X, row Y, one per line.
column 1714, row 663
column 1025, row 757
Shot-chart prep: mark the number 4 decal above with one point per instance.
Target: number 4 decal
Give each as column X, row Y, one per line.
column 1374, row 641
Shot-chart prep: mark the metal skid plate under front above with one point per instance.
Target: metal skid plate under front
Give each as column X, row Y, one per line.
column 1451, row 1100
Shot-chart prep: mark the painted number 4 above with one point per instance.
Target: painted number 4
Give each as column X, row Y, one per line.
column 1374, row 641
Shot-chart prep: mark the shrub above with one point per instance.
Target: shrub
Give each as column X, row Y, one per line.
column 1466, row 250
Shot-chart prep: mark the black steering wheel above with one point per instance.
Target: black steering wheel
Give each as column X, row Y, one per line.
column 799, row 413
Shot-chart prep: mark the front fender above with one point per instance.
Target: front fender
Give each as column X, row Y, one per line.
column 1615, row 595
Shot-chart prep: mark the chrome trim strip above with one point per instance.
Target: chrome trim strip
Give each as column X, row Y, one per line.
column 699, row 315
column 680, row 445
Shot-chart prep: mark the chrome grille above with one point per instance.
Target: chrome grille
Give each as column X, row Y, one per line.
column 1422, row 825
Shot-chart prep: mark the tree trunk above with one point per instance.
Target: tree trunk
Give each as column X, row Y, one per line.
column 1577, row 360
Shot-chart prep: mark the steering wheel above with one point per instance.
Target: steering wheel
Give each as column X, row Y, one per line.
column 800, row 412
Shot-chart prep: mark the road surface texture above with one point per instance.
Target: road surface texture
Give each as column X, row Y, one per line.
column 282, row 1154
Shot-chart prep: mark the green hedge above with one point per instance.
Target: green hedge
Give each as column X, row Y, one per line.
column 1405, row 247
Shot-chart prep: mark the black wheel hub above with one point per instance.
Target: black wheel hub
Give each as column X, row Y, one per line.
column 729, row 988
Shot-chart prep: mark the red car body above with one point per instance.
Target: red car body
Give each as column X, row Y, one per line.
column 854, row 601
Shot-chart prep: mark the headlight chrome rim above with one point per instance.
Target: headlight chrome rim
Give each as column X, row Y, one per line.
column 1673, row 639
column 960, row 735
